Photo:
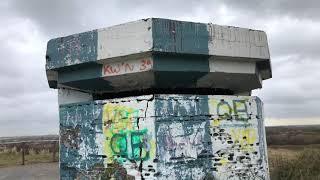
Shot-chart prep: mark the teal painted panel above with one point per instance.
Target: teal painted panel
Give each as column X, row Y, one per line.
column 182, row 80
column 80, row 125
column 179, row 36
column 70, row 50
column 98, row 84
column 80, row 72
column 189, row 118
column 168, row 71
column 179, row 71
column 185, row 63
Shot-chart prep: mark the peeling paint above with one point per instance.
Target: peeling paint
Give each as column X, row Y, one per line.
column 159, row 35
column 164, row 137
column 71, row 50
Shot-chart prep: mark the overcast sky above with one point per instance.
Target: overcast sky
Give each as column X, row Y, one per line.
column 29, row 107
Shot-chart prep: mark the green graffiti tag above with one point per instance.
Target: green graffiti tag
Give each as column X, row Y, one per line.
column 240, row 110
column 137, row 148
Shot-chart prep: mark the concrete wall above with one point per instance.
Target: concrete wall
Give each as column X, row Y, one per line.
column 164, row 137
column 160, row 35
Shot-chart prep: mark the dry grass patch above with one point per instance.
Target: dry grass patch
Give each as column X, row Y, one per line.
column 11, row 158
column 294, row 163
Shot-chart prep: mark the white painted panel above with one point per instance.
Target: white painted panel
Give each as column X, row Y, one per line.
column 125, row 39
column 237, row 42
column 229, row 66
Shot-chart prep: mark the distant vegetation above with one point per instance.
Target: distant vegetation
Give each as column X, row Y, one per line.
column 28, row 149
column 293, row 135
column 27, row 138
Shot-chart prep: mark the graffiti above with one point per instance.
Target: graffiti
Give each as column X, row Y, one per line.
column 223, row 139
column 167, row 136
column 124, row 67
column 123, row 138
column 139, row 145
column 236, row 109
column 246, row 137
column 180, row 140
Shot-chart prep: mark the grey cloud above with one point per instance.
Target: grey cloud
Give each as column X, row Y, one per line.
column 254, row 8
column 295, row 8
column 300, row 111
column 168, row 7
column 51, row 16
column 300, row 39
column 58, row 18
column 293, row 92
column 29, row 114
column 27, row 105
column 21, row 74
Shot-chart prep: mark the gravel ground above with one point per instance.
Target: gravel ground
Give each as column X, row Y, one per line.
column 39, row 171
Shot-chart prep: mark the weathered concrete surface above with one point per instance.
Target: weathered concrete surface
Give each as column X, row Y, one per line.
column 157, row 35
column 164, row 137
column 141, row 55
column 68, row 96
column 41, row 171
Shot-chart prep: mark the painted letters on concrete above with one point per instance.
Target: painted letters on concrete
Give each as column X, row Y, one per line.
column 126, row 67
column 164, row 137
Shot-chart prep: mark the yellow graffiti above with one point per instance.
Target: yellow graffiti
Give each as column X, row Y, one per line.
column 117, row 117
column 153, row 148
column 124, row 139
column 221, row 107
column 245, row 137
column 213, row 103
column 215, row 123
column 117, row 120
column 224, row 161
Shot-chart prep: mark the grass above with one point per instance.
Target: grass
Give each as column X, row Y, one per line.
column 294, row 162
column 12, row 157
column 9, row 159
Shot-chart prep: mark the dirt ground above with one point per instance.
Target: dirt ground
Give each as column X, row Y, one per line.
column 38, row 171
